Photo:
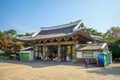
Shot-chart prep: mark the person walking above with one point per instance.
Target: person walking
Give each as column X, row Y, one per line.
column 18, row 57
column 86, row 62
column 97, row 63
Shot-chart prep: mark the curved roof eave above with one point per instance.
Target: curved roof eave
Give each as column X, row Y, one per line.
column 96, row 37
column 56, row 36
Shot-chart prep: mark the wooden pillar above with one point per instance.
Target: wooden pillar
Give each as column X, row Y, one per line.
column 33, row 50
column 59, row 54
column 71, row 52
column 44, row 50
column 74, row 51
column 65, row 52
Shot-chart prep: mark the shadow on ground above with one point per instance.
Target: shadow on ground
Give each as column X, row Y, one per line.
column 107, row 71
column 41, row 64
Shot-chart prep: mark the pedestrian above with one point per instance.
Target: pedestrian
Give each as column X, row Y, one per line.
column 86, row 62
column 18, row 57
column 97, row 63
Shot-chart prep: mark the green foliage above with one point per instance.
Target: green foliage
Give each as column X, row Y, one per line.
column 4, row 57
column 69, row 55
column 13, row 54
column 11, row 32
column 17, row 47
column 112, row 37
column 25, row 44
column 26, row 34
column 2, row 54
column 94, row 32
column 4, row 36
column 113, row 34
column 8, row 42
column 115, row 48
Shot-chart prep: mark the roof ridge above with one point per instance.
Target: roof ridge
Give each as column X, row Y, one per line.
column 61, row 26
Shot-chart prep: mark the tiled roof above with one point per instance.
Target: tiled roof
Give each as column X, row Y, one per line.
column 64, row 30
column 87, row 47
column 47, row 36
column 60, row 29
column 27, row 49
column 57, row 31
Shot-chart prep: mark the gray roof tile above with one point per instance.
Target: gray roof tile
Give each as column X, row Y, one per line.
column 64, row 30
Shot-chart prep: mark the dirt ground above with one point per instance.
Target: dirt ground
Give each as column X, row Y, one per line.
column 47, row 70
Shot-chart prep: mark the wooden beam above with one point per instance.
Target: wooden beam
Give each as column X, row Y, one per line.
column 50, row 40
column 68, row 37
column 72, row 37
column 45, row 40
column 65, row 38
column 56, row 43
column 58, row 39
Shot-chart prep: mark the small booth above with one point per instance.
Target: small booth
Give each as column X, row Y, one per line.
column 104, row 58
column 26, row 54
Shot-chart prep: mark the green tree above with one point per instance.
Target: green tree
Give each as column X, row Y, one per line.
column 8, row 46
column 1, row 44
column 94, row 32
column 17, row 47
column 8, row 42
column 112, row 37
column 11, row 32
column 25, row 44
column 115, row 48
column 4, row 36
column 112, row 34
column 28, row 34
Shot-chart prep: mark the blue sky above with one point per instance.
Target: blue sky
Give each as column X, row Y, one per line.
column 29, row 15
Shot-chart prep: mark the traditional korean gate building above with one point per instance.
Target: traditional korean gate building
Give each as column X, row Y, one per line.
column 59, row 42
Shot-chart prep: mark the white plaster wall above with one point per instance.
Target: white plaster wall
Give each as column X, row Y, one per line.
column 79, row 54
column 95, row 54
column 31, row 56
